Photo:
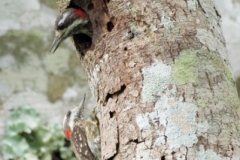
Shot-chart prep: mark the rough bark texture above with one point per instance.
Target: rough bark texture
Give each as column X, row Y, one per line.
column 160, row 74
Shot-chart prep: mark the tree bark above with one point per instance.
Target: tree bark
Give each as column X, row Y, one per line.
column 160, row 75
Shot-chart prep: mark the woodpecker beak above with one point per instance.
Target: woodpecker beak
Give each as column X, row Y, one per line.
column 82, row 102
column 80, row 108
column 56, row 42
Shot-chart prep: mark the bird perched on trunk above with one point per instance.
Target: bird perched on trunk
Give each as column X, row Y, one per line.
column 83, row 134
column 71, row 21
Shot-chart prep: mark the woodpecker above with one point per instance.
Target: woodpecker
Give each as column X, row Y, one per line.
column 83, row 134
column 70, row 22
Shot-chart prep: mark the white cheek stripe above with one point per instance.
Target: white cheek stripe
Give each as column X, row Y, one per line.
column 64, row 121
column 73, row 25
column 71, row 121
column 65, row 15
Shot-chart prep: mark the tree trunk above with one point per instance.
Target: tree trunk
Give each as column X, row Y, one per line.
column 160, row 74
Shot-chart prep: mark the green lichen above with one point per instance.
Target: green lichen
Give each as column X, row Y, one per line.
column 217, row 63
column 185, row 68
column 133, row 10
column 190, row 62
column 201, row 103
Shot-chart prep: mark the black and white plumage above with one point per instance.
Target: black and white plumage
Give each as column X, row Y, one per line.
column 71, row 22
column 83, row 134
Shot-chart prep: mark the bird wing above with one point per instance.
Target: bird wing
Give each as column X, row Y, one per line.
column 80, row 145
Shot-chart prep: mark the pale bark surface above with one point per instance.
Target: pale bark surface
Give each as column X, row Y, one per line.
column 162, row 81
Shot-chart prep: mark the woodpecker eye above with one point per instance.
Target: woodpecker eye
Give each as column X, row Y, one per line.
column 60, row 26
column 68, row 113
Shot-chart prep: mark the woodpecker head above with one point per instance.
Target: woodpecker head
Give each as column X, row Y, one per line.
column 72, row 117
column 71, row 21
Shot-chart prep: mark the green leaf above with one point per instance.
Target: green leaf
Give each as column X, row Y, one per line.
column 14, row 146
column 30, row 156
column 24, row 119
column 67, row 153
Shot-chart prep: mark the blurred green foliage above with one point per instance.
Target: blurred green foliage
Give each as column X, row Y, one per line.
column 27, row 138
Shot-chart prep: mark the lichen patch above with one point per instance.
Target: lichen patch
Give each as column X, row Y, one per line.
column 156, row 79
